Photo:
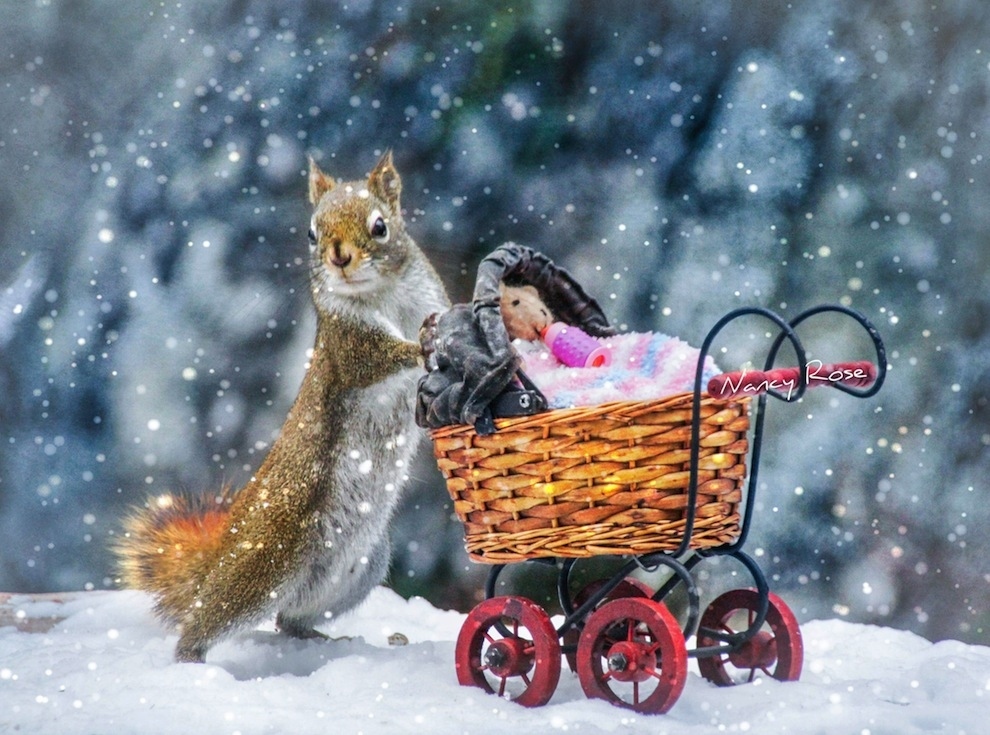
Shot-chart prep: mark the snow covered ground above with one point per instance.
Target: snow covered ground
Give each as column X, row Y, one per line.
column 99, row 663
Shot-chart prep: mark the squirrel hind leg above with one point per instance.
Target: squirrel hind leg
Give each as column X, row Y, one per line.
column 315, row 604
column 190, row 652
column 297, row 628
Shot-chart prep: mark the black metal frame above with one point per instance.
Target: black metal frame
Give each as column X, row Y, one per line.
column 683, row 560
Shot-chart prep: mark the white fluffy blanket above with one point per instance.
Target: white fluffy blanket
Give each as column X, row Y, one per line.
column 645, row 366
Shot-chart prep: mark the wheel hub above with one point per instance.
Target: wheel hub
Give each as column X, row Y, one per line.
column 508, row 657
column 759, row 652
column 630, row 661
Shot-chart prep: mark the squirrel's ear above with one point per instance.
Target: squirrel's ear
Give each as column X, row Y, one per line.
column 319, row 183
column 384, row 181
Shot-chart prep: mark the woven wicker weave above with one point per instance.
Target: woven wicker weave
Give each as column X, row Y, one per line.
column 609, row 479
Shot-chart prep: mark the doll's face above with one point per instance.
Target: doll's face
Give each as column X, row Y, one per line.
column 524, row 313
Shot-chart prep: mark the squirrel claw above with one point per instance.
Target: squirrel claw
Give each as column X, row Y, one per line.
column 427, row 341
column 311, row 634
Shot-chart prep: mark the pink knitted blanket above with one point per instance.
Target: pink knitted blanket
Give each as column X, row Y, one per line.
column 644, row 367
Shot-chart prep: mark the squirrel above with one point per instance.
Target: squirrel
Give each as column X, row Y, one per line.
column 307, row 537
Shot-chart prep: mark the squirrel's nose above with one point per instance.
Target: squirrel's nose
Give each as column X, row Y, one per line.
column 339, row 258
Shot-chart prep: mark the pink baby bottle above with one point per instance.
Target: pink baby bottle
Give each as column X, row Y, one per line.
column 574, row 347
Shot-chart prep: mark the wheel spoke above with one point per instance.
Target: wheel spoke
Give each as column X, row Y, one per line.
column 654, row 673
column 635, row 692
column 752, row 675
column 488, row 637
column 526, row 680
column 501, row 686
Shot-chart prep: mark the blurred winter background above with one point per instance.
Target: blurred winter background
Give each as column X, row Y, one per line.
column 681, row 158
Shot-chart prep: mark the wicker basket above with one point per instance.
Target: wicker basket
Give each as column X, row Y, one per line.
column 609, row 479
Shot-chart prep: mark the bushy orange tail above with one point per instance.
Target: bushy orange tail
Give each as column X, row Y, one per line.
column 169, row 546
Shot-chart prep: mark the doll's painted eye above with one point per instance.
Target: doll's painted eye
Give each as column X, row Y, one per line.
column 377, row 227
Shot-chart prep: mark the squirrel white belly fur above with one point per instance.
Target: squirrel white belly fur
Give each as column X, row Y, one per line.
column 307, row 537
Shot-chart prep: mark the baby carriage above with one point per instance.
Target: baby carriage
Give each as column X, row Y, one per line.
column 656, row 485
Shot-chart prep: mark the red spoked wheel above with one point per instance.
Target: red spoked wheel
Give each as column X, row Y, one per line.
column 775, row 650
column 632, row 654
column 508, row 646
column 628, row 587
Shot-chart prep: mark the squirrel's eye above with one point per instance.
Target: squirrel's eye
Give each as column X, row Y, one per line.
column 312, row 236
column 377, row 227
